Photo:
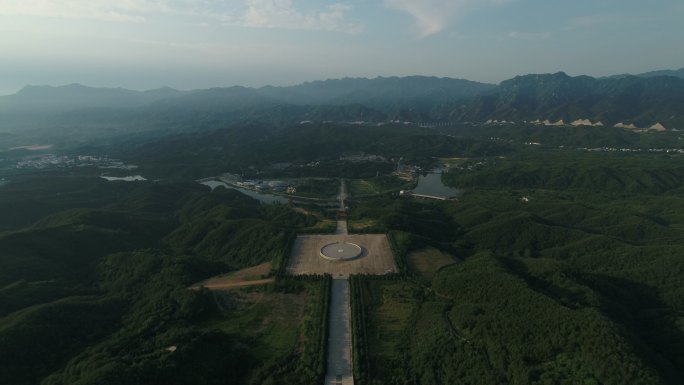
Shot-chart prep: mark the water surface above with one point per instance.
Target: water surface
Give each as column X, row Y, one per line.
column 431, row 184
column 132, row 178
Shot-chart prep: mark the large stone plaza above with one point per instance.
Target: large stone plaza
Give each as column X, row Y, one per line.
column 375, row 257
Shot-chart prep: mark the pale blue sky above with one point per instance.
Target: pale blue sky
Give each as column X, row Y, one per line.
column 187, row 44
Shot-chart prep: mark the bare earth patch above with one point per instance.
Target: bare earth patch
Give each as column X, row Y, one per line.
column 250, row 276
column 376, row 257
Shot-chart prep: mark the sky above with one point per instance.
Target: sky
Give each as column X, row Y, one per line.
column 190, row 44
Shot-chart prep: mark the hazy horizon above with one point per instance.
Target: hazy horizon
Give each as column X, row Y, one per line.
column 183, row 44
column 280, row 85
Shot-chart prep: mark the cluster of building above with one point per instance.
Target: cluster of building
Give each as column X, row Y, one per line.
column 580, row 122
column 470, row 166
column 47, row 161
column 258, row 185
column 587, row 122
column 66, row 161
column 655, row 150
column 358, row 158
column 498, row 122
column 406, row 171
column 352, row 158
column 500, row 140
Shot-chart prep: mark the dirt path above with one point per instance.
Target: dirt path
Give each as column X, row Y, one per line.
column 231, row 285
column 251, row 276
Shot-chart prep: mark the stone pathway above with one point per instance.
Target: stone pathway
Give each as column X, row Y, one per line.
column 376, row 258
column 341, row 228
column 339, row 370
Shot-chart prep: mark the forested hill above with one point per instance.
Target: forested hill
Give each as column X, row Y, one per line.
column 639, row 100
column 381, row 92
column 31, row 99
column 350, row 99
column 628, row 99
column 385, row 93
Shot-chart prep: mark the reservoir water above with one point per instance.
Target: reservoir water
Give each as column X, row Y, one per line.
column 431, row 184
column 132, row 178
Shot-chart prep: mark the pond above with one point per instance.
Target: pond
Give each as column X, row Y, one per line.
column 431, row 184
column 132, row 178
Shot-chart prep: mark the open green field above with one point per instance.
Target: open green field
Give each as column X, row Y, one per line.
column 323, row 226
column 361, row 226
column 277, row 324
column 271, row 320
column 374, row 186
column 322, row 188
column 427, row 261
column 389, row 309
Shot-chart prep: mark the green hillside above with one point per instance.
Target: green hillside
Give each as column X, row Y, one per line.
column 93, row 285
column 577, row 283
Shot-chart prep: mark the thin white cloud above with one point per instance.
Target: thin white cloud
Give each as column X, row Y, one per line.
column 125, row 11
column 529, row 35
column 249, row 13
column 433, row 16
column 282, row 14
column 602, row 19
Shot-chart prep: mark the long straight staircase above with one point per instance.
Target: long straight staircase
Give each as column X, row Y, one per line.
column 339, row 370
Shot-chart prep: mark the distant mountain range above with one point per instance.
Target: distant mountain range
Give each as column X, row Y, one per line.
column 651, row 74
column 676, row 73
column 643, row 100
column 77, row 96
column 379, row 93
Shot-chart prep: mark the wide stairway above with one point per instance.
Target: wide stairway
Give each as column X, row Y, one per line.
column 339, row 371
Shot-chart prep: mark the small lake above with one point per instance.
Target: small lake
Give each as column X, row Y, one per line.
column 431, row 184
column 133, row 178
column 263, row 198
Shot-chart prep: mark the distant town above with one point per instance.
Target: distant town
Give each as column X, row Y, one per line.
column 67, row 161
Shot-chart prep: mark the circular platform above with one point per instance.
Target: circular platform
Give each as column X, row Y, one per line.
column 341, row 251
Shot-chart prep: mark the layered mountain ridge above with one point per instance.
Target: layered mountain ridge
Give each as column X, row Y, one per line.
column 639, row 101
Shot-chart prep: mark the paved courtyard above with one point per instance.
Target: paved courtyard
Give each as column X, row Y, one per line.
column 376, row 256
